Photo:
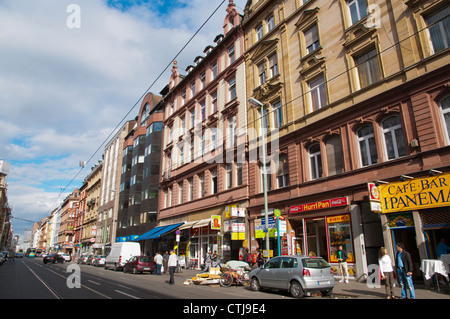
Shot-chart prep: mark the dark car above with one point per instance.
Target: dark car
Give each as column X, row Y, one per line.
column 53, row 258
column 139, row 264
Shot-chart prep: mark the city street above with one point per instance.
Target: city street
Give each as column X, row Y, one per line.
column 30, row 278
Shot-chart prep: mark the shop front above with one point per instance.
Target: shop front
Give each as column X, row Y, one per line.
column 319, row 228
column 417, row 213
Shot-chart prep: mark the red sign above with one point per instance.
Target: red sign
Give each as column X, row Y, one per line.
column 329, row 203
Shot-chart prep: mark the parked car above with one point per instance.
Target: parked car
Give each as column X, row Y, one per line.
column 139, row 264
column 18, row 255
column 296, row 274
column 66, row 257
column 99, row 260
column 83, row 259
column 121, row 253
column 53, row 258
column 90, row 259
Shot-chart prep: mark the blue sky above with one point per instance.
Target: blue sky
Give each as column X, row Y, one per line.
column 63, row 91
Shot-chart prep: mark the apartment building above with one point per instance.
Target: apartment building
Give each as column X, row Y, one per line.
column 138, row 193
column 5, row 210
column 66, row 232
column 204, row 169
column 353, row 92
column 110, row 187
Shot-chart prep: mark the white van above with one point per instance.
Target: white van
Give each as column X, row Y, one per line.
column 121, row 253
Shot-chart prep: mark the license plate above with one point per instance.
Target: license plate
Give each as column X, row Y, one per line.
column 323, row 283
column 147, row 268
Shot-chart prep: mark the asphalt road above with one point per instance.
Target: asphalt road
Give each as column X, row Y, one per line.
column 30, row 278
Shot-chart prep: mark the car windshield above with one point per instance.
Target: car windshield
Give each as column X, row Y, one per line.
column 145, row 259
column 314, row 263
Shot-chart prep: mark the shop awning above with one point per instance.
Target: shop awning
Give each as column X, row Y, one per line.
column 158, row 231
column 202, row 223
column 187, row 225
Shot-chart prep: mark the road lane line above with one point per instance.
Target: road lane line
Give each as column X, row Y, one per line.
column 123, row 293
column 47, row 286
column 96, row 283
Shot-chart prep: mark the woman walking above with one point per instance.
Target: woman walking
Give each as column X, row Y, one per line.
column 386, row 272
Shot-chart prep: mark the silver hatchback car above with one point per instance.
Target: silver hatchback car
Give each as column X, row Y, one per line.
column 297, row 274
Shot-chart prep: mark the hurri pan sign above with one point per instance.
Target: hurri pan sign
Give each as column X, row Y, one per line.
column 414, row 194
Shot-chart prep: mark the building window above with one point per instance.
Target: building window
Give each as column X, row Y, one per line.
column 261, row 74
column 203, row 80
column 214, row 103
column 191, row 189
column 277, row 115
column 203, row 110
column 231, row 55
column 317, row 93
column 311, row 39
column 273, row 65
column 368, row 68
column 231, row 132
column 229, row 176
column 259, row 32
column 357, row 10
column 270, row 23
column 315, row 161
column 232, row 89
column 180, row 193
column 181, row 155
column 201, row 188
column 394, row 143
column 214, row 70
column 334, row 155
column 183, row 97
column 192, row 114
column 239, row 174
column 444, row 107
column 283, row 171
column 367, row 147
column 214, row 181
column 439, row 29
column 193, row 89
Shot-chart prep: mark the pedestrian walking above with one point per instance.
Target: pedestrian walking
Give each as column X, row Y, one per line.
column 208, row 259
column 386, row 272
column 166, row 262
column 404, row 268
column 259, row 258
column 158, row 263
column 343, row 267
column 172, row 266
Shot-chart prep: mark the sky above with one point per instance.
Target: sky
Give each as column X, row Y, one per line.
column 70, row 71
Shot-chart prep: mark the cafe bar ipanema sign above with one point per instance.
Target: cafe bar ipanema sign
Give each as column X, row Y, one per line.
column 413, row 194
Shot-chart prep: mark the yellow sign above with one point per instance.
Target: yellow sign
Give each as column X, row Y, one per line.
column 216, row 222
column 418, row 193
column 338, row 219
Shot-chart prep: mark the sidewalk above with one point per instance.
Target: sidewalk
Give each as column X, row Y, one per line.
column 352, row 290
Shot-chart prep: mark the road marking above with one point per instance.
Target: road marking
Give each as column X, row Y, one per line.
column 47, row 286
column 97, row 283
column 123, row 293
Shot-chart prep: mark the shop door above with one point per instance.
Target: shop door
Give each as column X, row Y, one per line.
column 407, row 236
column 316, row 237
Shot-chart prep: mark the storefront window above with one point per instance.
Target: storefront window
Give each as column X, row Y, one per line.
column 340, row 235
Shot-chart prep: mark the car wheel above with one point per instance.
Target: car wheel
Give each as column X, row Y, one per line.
column 124, row 269
column 296, row 290
column 254, row 284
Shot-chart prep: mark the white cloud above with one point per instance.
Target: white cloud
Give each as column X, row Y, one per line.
column 62, row 91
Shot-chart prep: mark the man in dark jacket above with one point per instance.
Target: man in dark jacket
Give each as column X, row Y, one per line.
column 404, row 267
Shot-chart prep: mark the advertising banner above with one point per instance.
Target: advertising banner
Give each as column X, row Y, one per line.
column 415, row 194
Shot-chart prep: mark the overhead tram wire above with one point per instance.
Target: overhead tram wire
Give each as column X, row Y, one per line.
column 142, row 96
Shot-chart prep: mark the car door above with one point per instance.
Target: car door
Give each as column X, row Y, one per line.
column 284, row 275
column 267, row 275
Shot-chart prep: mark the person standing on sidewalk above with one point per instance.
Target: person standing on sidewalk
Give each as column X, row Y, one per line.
column 386, row 271
column 166, row 262
column 158, row 263
column 343, row 267
column 172, row 266
column 404, row 268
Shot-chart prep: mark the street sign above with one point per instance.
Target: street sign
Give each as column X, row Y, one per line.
column 178, row 232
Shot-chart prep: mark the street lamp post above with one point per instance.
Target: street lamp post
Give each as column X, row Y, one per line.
column 255, row 103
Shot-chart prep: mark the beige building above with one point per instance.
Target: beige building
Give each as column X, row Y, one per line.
column 353, row 98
